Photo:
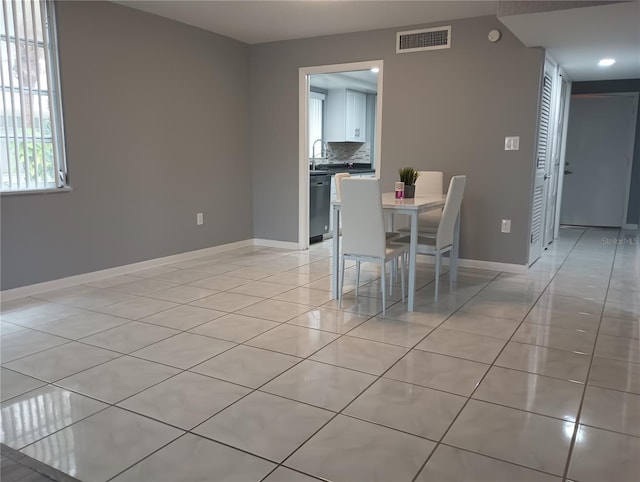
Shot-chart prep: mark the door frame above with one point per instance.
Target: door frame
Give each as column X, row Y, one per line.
column 558, row 133
column 303, row 135
column 635, row 96
column 563, row 151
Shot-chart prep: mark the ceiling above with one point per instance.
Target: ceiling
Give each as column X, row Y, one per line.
column 580, row 37
column 256, row 22
column 577, row 38
column 362, row 80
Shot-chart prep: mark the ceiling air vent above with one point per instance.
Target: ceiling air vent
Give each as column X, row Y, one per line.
column 424, row 39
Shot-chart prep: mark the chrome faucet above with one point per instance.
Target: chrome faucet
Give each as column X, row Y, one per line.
column 323, row 146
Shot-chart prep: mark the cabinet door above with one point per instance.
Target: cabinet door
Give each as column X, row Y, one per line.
column 356, row 116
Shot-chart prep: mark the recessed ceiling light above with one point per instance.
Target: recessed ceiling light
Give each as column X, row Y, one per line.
column 606, row 62
column 375, row 70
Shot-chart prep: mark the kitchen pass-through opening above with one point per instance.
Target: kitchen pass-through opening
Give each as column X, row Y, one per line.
column 340, row 127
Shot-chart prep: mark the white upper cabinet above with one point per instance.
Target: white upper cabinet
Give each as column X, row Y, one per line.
column 346, row 116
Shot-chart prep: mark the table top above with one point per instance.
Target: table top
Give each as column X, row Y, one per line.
column 418, row 203
column 389, row 201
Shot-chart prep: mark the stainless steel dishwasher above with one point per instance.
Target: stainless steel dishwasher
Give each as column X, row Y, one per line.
column 319, row 204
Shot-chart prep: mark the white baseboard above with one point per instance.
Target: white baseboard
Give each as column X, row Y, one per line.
column 34, row 289
column 478, row 264
column 37, row 288
column 271, row 243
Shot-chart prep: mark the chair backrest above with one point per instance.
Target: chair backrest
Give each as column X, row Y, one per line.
column 444, row 237
column 429, row 182
column 338, row 180
column 362, row 219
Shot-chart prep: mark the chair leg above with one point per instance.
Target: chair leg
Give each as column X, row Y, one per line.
column 451, row 276
column 357, row 277
column 341, row 287
column 438, row 260
column 384, row 289
column 402, row 274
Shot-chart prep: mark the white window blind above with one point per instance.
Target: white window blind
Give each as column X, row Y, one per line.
column 31, row 130
column 316, row 112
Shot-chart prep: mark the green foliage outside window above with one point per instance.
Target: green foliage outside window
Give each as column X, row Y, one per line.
column 38, row 158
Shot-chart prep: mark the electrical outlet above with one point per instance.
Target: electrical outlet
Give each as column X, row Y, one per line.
column 199, row 219
column 512, row 143
column 506, row 226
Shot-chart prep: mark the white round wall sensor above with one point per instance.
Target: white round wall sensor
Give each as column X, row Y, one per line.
column 494, row 35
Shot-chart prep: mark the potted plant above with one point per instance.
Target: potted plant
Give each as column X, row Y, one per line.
column 409, row 175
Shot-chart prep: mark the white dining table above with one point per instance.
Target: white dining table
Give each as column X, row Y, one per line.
column 411, row 207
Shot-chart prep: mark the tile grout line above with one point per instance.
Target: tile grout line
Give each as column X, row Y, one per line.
column 191, row 328
column 115, row 404
column 470, row 397
column 303, row 359
column 253, row 390
column 335, row 414
column 378, row 377
column 576, row 428
column 183, row 370
column 130, row 321
column 110, row 405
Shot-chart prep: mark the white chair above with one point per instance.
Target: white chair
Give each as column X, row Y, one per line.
column 363, row 233
column 429, row 182
column 338, row 177
column 442, row 242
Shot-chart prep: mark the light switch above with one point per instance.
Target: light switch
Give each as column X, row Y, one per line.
column 506, row 226
column 512, row 143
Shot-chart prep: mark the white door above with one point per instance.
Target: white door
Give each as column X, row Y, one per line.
column 543, row 150
column 598, row 159
column 553, row 169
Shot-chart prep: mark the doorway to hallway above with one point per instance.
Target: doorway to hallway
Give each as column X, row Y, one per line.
column 598, row 162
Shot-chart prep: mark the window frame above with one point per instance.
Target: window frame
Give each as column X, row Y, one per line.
column 321, row 95
column 51, row 95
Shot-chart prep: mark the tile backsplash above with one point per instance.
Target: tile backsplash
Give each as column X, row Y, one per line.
column 355, row 152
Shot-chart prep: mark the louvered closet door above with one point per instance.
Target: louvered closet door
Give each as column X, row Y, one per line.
column 542, row 159
column 555, row 159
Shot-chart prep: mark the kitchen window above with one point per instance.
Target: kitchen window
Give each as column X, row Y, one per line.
column 31, row 131
column 316, row 119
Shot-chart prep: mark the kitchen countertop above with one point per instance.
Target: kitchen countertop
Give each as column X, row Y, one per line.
column 332, row 169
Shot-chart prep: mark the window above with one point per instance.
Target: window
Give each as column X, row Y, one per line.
column 316, row 117
column 31, row 130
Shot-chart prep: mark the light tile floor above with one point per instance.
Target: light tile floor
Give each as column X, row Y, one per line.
column 239, row 366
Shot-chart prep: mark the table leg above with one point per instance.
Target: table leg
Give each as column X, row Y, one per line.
column 390, row 217
column 336, row 252
column 413, row 248
column 453, row 255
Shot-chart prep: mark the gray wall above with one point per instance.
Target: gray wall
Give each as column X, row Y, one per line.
column 443, row 110
column 157, row 117
column 611, row 86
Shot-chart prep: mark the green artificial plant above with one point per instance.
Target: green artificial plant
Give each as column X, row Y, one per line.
column 408, row 175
